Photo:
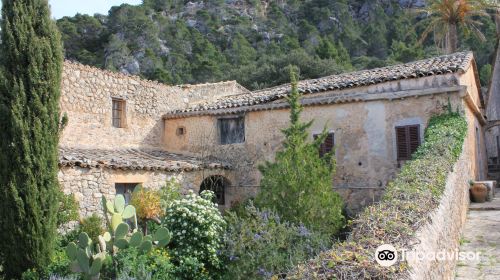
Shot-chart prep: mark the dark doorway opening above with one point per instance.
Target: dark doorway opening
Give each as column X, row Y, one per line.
column 218, row 185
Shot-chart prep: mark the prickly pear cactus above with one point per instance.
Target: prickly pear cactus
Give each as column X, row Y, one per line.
column 144, row 243
column 83, row 258
column 88, row 258
column 118, row 211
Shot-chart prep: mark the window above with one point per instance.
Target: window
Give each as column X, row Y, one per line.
column 407, row 140
column 126, row 190
column 180, row 131
column 327, row 145
column 118, row 106
column 217, row 184
column 231, row 130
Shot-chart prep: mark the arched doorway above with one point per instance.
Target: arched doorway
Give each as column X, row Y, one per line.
column 218, row 185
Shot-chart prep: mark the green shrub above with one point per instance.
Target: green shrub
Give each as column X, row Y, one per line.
column 190, row 268
column 59, row 264
column 154, row 265
column 58, row 267
column 30, row 274
column 70, row 236
column 485, row 75
column 260, row 244
column 298, row 185
column 170, row 192
column 92, row 225
column 68, row 209
column 406, row 205
column 197, row 228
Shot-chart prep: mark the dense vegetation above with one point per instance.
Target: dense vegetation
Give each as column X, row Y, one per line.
column 405, row 206
column 253, row 41
column 29, row 127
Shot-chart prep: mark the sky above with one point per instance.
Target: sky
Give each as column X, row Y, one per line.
column 61, row 8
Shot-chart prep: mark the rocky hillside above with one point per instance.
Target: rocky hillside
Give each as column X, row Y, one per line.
column 253, row 41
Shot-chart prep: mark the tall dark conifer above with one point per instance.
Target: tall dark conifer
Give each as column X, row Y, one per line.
column 29, row 121
column 298, row 184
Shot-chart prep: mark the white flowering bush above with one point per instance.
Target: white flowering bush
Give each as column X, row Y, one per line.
column 197, row 229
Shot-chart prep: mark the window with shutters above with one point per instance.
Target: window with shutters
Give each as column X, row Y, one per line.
column 407, row 140
column 118, row 112
column 231, row 130
column 327, row 145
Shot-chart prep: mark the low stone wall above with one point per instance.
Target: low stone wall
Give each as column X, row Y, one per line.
column 442, row 233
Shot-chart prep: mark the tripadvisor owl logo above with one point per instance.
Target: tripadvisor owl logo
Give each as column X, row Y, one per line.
column 386, row 255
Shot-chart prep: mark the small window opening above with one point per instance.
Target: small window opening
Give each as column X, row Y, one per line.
column 327, row 146
column 231, row 130
column 180, row 131
column 125, row 189
column 118, row 113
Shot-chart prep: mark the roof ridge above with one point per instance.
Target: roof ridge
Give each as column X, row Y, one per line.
column 438, row 65
column 468, row 54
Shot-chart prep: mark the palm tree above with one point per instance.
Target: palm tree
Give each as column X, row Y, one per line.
column 444, row 17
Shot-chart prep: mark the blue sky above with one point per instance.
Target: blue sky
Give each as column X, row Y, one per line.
column 62, row 8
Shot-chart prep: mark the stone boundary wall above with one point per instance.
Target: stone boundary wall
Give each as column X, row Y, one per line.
column 86, row 98
column 443, row 231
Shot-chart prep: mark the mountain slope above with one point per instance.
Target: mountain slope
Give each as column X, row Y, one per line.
column 252, row 41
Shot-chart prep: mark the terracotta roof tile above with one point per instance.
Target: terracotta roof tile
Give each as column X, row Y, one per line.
column 133, row 159
column 428, row 67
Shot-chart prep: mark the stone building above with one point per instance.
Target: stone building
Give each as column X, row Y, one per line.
column 493, row 112
column 123, row 130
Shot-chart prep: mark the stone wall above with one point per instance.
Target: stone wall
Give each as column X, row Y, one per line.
column 364, row 132
column 89, row 185
column 364, row 135
column 442, row 232
column 86, row 99
column 493, row 109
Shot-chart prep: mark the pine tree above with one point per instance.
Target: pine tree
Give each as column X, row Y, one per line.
column 29, row 123
column 241, row 51
column 298, row 185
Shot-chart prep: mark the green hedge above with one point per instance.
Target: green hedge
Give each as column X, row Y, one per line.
column 405, row 206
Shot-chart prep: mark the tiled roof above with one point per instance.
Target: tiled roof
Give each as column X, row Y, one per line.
column 133, row 159
column 428, row 67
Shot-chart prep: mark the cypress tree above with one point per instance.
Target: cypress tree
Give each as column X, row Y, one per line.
column 298, row 184
column 29, row 123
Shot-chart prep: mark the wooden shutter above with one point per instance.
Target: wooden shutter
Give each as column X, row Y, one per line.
column 327, row 145
column 118, row 112
column 414, row 137
column 407, row 140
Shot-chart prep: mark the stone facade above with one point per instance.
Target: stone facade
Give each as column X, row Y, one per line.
column 89, row 185
column 86, row 99
column 364, row 132
column 362, row 109
column 493, row 114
